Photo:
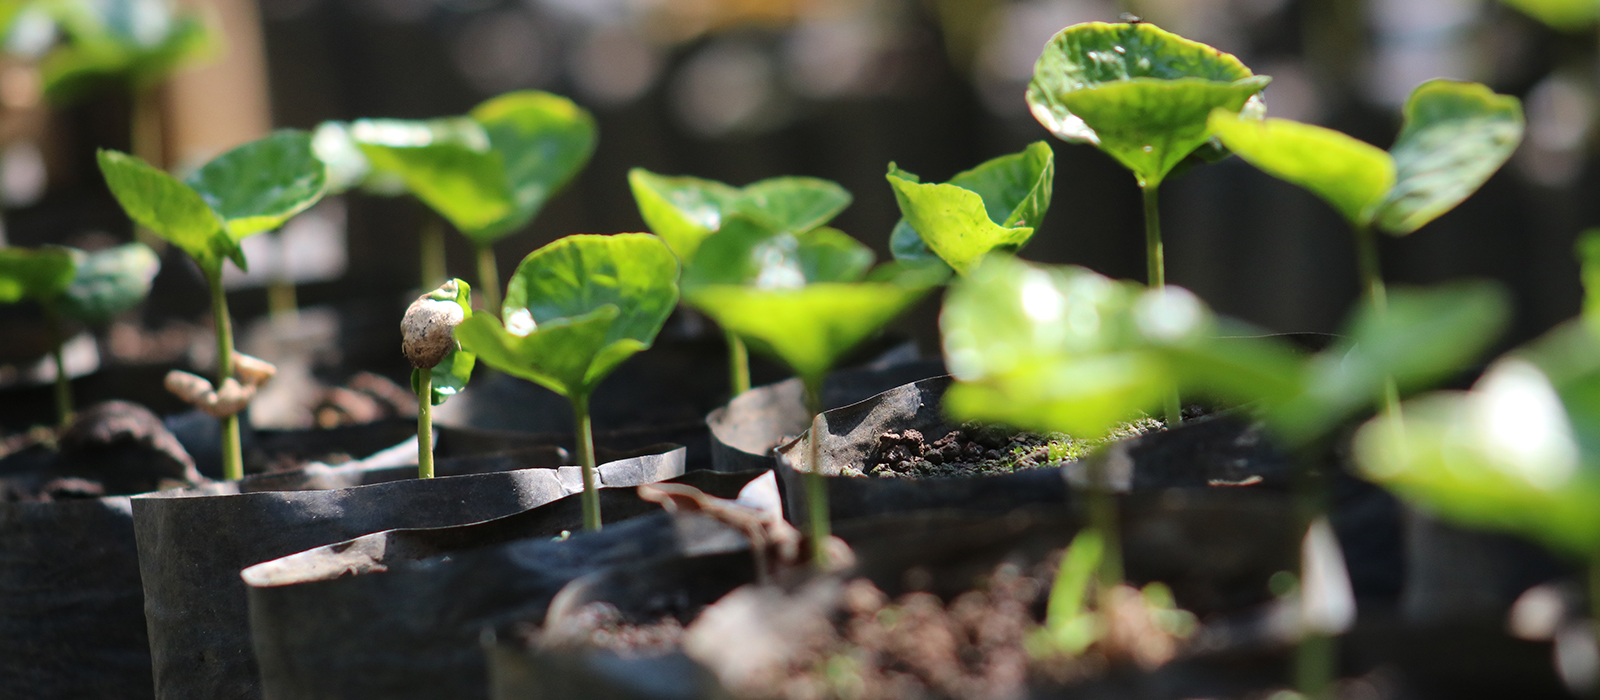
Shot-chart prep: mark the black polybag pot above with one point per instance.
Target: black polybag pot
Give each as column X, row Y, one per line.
column 1207, row 545
column 744, row 432
column 397, row 614
column 193, row 543
column 1204, row 452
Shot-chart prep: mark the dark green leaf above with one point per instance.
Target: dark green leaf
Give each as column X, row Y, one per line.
column 109, row 282
column 1347, row 173
column 685, row 210
column 260, row 185
column 40, row 274
column 168, row 207
column 1455, row 136
column 792, row 204
column 543, row 140
column 1137, row 92
column 575, row 309
column 743, row 252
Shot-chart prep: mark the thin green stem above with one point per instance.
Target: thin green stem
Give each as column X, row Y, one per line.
column 432, row 251
column 1156, row 275
column 425, row 423
column 489, row 280
column 1103, row 518
column 232, row 458
column 1315, row 659
column 818, row 511
column 585, row 440
column 1315, row 665
column 738, row 364
column 1377, row 295
column 52, row 319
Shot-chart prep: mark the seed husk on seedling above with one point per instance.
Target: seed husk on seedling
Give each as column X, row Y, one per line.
column 684, row 211
column 439, row 367
column 488, row 173
column 253, row 188
column 1142, row 95
column 806, row 300
column 574, row 311
column 996, row 206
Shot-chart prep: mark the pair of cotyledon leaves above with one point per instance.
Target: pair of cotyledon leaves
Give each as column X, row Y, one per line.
column 1139, row 93
column 488, row 173
column 1520, row 452
column 994, row 207
column 136, row 42
column 1066, row 349
column 764, row 267
column 577, row 308
column 250, row 189
column 1454, row 137
column 91, row 287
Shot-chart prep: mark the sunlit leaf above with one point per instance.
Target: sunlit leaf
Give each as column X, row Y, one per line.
column 811, row 327
column 1347, row 173
column 743, row 252
column 543, row 140
column 109, row 282
column 261, row 184
column 446, row 163
column 577, row 308
column 995, row 206
column 1570, row 15
column 40, row 274
column 1137, row 92
column 173, row 210
column 1455, row 136
column 685, row 210
column 336, row 148
column 136, row 42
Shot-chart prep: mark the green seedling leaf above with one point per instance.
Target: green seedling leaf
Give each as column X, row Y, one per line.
column 1063, row 349
column 1455, row 136
column 109, row 282
column 812, row 326
column 139, row 43
column 1588, row 250
column 543, row 140
column 1139, row 93
column 1502, row 456
column 347, row 166
column 446, row 163
column 995, row 206
column 576, row 309
column 743, row 252
column 1424, row 337
column 260, row 185
column 450, row 376
column 1567, row 15
column 1347, row 173
column 39, row 274
column 173, row 210
column 685, row 210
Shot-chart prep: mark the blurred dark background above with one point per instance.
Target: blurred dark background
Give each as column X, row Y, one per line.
column 740, row 90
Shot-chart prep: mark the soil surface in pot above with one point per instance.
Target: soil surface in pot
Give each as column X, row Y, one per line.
column 975, row 449
column 983, row 644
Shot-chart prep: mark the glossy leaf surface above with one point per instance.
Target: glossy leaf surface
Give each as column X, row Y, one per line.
column 1139, row 93
column 446, row 163
column 685, row 210
column 170, row 208
column 810, row 327
column 1349, row 174
column 1455, row 136
column 543, row 140
column 575, row 309
column 109, row 282
column 260, row 185
column 745, row 253
column 39, row 274
column 995, row 206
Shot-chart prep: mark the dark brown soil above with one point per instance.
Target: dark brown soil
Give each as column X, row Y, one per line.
column 601, row 626
column 975, row 449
